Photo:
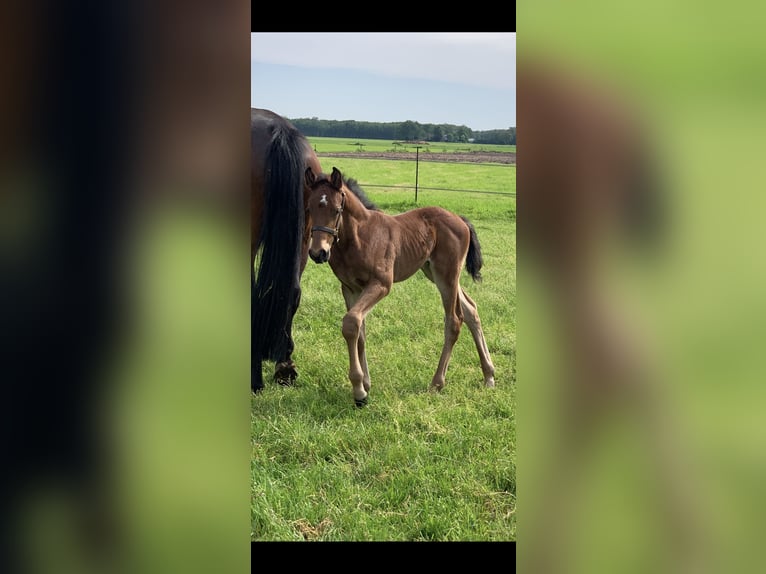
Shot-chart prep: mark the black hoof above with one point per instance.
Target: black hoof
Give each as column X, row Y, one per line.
column 285, row 374
column 361, row 402
column 256, row 390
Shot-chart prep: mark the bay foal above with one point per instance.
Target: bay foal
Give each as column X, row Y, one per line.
column 369, row 251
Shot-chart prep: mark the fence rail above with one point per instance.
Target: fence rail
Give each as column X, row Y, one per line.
column 421, row 188
column 417, row 187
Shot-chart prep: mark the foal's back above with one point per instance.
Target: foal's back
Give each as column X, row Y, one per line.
column 434, row 222
column 425, row 234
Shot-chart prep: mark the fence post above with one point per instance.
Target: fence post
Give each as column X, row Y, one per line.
column 417, row 164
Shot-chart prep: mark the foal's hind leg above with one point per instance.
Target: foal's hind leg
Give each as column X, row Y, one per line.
column 471, row 318
column 447, row 283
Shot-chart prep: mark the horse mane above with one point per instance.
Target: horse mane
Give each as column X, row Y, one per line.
column 354, row 186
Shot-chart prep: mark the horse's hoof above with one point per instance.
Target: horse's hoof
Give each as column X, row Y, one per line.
column 285, row 374
column 361, row 402
column 256, row 390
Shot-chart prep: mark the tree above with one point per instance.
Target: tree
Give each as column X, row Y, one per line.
column 408, row 131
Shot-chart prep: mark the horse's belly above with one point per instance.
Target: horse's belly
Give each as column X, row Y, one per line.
column 406, row 270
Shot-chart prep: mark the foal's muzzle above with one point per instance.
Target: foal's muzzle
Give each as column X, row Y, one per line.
column 320, row 256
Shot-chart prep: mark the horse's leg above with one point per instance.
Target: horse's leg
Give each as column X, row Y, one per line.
column 353, row 327
column 284, row 370
column 471, row 318
column 447, row 281
column 350, row 297
column 256, row 376
column 363, row 358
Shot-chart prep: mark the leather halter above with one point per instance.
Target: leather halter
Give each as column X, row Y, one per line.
column 330, row 230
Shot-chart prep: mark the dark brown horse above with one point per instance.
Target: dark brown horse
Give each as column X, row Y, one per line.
column 280, row 155
column 369, row 251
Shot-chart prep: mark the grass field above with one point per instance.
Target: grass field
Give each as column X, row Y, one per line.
column 440, row 176
column 412, row 465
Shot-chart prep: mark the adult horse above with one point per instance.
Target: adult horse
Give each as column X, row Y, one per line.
column 279, row 156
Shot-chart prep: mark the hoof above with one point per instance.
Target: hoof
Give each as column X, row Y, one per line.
column 285, row 374
column 361, row 402
column 256, row 390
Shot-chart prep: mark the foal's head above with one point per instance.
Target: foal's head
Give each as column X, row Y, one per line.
column 326, row 201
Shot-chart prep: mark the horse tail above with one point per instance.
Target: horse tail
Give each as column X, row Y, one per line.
column 278, row 278
column 473, row 261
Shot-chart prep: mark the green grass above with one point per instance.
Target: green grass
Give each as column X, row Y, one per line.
column 336, row 145
column 412, row 465
column 493, row 178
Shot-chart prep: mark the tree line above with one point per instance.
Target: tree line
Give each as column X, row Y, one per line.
column 404, row 131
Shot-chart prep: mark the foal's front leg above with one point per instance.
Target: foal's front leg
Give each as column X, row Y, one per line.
column 363, row 357
column 350, row 297
column 353, row 332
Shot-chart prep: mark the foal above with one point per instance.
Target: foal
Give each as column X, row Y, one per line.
column 369, row 251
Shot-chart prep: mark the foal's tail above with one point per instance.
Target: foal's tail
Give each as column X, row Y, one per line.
column 473, row 261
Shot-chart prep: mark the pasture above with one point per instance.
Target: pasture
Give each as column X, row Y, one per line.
column 411, row 465
column 488, row 179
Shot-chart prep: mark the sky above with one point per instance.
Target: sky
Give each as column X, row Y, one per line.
column 461, row 78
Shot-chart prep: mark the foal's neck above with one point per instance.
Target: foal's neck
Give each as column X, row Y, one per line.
column 354, row 207
column 354, row 214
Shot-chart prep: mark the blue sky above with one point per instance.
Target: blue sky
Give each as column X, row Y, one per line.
column 462, row 78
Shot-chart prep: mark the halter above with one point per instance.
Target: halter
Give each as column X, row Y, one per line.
column 330, row 230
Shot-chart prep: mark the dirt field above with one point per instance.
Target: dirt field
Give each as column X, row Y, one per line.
column 477, row 157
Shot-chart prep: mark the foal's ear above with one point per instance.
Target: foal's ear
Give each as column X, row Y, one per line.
column 310, row 176
column 336, row 178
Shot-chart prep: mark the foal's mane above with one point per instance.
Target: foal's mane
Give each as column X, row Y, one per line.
column 354, row 186
column 351, row 184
